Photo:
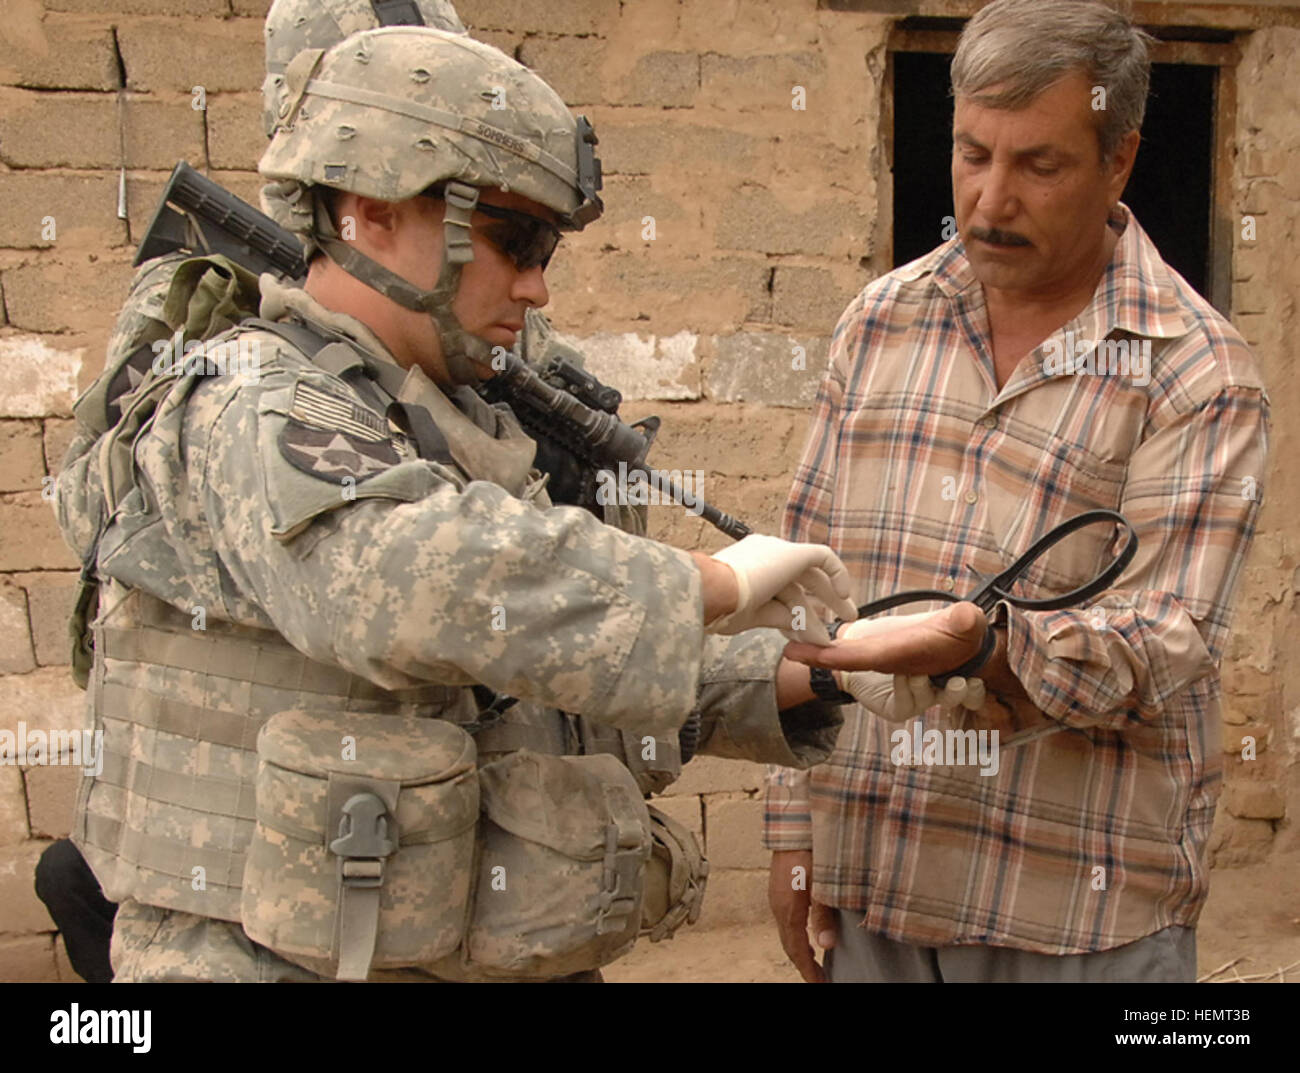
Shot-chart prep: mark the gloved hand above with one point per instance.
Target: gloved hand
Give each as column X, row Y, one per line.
column 899, row 697
column 776, row 578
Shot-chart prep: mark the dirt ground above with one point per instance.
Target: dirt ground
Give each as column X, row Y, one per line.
column 1253, row 913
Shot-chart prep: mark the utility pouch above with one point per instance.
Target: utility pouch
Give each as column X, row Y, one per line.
column 675, row 878
column 563, row 844
column 363, row 853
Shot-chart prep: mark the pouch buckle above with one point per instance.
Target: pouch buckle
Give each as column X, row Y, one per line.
column 363, row 841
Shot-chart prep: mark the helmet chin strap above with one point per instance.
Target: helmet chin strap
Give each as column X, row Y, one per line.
column 460, row 349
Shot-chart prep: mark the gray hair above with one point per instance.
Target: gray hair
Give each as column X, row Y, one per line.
column 1026, row 46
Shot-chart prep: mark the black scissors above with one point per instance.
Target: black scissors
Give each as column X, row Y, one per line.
column 992, row 590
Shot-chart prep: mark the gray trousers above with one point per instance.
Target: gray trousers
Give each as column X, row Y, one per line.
column 860, row 956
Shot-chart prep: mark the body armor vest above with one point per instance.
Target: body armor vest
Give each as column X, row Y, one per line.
column 169, row 819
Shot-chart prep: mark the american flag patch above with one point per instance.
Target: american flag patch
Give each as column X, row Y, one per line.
column 325, row 410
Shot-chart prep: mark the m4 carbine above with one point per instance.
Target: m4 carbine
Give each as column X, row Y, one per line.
column 571, row 414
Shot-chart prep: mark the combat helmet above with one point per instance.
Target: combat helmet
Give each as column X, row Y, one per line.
column 294, row 25
column 389, row 114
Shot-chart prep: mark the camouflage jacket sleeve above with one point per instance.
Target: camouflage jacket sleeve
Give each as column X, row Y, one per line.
column 737, row 705
column 406, row 574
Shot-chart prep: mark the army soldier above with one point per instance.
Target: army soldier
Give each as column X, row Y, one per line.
column 321, row 576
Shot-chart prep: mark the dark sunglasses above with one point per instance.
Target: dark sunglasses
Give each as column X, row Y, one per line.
column 528, row 240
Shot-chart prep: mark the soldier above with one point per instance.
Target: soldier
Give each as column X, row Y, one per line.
column 320, row 575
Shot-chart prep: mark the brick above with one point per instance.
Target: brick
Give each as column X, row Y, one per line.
column 161, row 132
column 28, row 960
column 659, row 79
column 1242, row 708
column 735, row 897
column 59, row 53
column 47, row 699
column 140, row 7
column 80, row 294
column 63, row 965
column 235, row 138
column 178, row 54
column 1236, row 842
column 759, row 503
column 36, row 379
column 51, row 795
column 763, row 83
column 638, row 148
column 1233, row 735
column 629, row 200
column 13, row 807
column 554, row 17
column 16, row 653
column 24, row 913
column 84, row 208
column 570, row 65
column 30, row 538
column 809, row 299
column 736, row 441
column 746, row 26
column 660, row 292
column 733, row 826
column 50, row 596
column 59, row 433
column 643, row 367
column 1254, row 800
column 505, row 40
column 711, row 774
column 760, row 367
column 685, row 810
column 22, row 456
column 756, row 219
column 58, row 130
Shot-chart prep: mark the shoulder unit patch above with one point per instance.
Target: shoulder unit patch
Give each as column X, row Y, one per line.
column 333, row 437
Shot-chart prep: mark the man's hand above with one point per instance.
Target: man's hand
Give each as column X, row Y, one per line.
column 789, row 896
column 910, row 645
column 787, row 586
column 899, row 697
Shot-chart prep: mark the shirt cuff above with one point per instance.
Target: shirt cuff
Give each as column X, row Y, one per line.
column 787, row 811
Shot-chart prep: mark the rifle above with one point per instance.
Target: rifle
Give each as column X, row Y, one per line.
column 571, row 414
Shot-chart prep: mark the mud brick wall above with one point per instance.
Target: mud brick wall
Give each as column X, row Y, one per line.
column 738, row 227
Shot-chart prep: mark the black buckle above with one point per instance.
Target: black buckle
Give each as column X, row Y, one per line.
column 590, row 179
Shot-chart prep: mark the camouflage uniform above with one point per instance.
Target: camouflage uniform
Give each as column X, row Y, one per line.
column 340, row 565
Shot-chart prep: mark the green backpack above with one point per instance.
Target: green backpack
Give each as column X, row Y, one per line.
column 176, row 298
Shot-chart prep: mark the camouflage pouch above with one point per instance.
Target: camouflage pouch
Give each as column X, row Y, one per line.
column 675, row 879
column 563, row 846
column 363, row 853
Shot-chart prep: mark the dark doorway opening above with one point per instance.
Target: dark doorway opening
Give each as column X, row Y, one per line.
column 1169, row 191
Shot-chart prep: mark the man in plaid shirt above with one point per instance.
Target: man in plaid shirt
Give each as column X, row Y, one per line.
column 976, row 398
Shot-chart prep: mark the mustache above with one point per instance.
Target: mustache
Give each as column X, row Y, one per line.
column 999, row 237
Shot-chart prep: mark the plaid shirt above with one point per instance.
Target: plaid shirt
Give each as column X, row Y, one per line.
column 918, row 466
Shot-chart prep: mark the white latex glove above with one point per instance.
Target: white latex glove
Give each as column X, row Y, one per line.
column 898, row 697
column 776, row 578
